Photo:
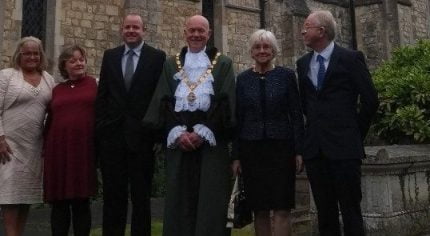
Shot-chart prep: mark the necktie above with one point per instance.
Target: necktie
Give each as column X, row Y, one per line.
column 129, row 69
column 321, row 72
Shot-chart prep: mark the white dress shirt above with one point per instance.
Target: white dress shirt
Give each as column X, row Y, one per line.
column 137, row 51
column 314, row 65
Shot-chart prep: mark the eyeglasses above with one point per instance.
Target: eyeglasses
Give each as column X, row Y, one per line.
column 306, row 28
column 258, row 47
column 29, row 54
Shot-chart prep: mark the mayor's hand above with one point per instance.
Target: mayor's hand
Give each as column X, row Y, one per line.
column 185, row 143
column 195, row 139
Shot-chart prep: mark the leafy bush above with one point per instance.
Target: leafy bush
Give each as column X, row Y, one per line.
column 403, row 84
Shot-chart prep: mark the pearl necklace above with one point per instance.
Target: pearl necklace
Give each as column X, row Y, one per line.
column 262, row 74
column 32, row 84
column 202, row 78
column 35, row 90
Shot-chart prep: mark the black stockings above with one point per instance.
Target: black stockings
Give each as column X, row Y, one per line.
column 77, row 210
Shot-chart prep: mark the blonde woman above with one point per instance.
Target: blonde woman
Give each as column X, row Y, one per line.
column 25, row 91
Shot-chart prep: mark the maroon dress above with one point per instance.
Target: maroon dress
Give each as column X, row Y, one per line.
column 69, row 166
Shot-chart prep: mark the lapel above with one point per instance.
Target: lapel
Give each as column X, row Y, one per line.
column 306, row 68
column 175, row 82
column 211, row 52
column 49, row 80
column 141, row 67
column 117, row 64
column 334, row 59
column 16, row 84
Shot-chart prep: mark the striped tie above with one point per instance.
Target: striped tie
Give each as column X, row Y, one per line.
column 129, row 69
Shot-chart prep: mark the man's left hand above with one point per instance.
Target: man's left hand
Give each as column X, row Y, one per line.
column 195, row 139
column 185, row 143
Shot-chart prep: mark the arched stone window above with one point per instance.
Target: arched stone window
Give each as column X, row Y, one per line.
column 34, row 19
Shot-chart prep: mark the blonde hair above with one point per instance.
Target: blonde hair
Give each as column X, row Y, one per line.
column 16, row 58
column 264, row 35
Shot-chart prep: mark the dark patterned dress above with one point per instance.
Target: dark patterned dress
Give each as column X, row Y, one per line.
column 69, row 141
column 270, row 130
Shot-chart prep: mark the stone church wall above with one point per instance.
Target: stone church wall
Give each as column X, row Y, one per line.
column 170, row 32
column 11, row 28
column 381, row 26
column 93, row 24
column 242, row 21
column 420, row 19
column 371, row 37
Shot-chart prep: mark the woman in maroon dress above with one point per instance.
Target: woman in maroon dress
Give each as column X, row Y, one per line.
column 70, row 176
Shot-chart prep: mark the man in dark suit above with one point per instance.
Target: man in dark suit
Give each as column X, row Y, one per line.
column 339, row 101
column 128, row 78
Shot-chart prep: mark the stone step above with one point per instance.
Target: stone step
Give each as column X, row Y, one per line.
column 301, row 221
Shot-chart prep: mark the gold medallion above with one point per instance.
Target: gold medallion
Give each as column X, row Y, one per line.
column 191, row 97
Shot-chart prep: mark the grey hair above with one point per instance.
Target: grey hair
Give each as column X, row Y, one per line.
column 326, row 20
column 16, row 58
column 264, row 35
column 200, row 17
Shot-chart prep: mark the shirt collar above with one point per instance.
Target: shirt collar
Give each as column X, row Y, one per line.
column 326, row 52
column 137, row 50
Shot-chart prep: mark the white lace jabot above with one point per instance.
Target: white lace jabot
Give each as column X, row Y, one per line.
column 195, row 66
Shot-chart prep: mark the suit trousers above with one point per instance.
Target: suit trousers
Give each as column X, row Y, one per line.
column 336, row 184
column 123, row 171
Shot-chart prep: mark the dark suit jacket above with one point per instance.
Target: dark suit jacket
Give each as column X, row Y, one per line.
column 336, row 124
column 119, row 112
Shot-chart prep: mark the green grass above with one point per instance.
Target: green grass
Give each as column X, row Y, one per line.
column 246, row 231
column 157, row 228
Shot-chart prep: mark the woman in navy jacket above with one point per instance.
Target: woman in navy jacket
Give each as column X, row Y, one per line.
column 270, row 133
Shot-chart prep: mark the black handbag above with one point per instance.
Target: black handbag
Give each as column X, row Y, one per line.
column 239, row 213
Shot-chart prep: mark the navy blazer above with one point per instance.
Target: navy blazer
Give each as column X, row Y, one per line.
column 119, row 112
column 336, row 124
column 269, row 108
